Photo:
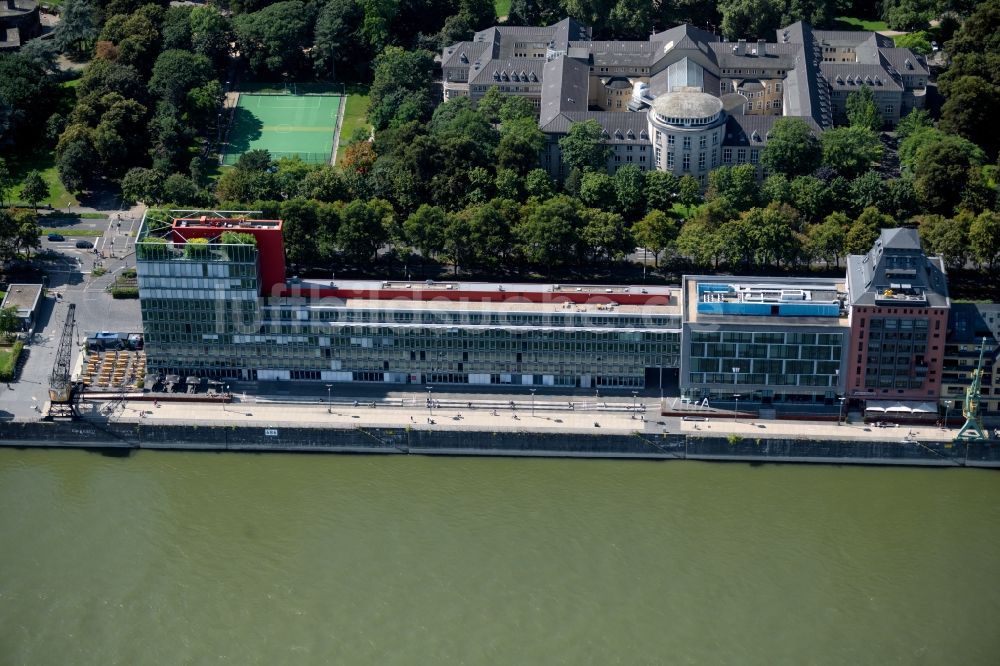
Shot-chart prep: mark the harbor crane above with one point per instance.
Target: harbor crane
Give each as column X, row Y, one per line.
column 973, row 428
column 61, row 387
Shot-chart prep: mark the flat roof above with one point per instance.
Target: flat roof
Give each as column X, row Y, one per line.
column 823, row 290
column 498, row 287
column 480, row 307
column 206, row 222
column 24, row 297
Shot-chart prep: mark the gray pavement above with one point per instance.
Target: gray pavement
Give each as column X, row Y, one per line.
column 67, row 272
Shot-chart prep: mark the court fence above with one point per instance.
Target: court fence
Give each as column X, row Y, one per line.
column 296, row 88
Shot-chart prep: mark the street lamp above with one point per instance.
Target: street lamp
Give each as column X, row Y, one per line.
column 533, row 402
column 225, row 396
column 840, row 414
column 634, row 406
column 736, row 371
column 329, row 408
column 430, row 402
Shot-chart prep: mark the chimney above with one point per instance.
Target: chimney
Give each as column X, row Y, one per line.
column 741, row 46
column 761, row 47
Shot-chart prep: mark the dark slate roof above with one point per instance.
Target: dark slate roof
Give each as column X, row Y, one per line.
column 851, row 37
column 806, row 92
column 874, row 76
column 777, row 55
column 471, row 50
column 620, row 54
column 510, row 66
column 896, row 259
column 612, row 122
column 967, row 323
column 684, row 31
column 569, row 30
column 565, row 87
column 740, row 130
column 904, row 61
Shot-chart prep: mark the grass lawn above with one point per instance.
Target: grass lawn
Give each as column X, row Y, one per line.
column 8, row 360
column 354, row 115
column 69, row 231
column 502, row 7
column 682, row 211
column 45, row 162
column 852, row 23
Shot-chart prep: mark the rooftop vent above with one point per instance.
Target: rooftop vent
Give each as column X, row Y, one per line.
column 908, row 64
column 464, row 58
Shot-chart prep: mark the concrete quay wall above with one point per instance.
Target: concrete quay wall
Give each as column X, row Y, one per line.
column 373, row 440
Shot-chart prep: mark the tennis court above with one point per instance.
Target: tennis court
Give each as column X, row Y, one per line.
column 285, row 125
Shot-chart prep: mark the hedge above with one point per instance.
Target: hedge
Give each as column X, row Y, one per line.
column 8, row 361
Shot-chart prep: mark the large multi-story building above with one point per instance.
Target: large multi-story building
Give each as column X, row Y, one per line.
column 216, row 302
column 899, row 306
column 684, row 101
column 773, row 340
column 222, row 308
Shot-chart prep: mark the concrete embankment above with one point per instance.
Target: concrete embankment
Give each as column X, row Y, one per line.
column 379, row 440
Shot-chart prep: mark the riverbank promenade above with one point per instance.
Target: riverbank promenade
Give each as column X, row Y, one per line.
column 545, row 417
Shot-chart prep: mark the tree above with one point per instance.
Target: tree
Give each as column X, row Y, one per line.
column 868, row 189
column 6, row 181
column 337, row 41
column 28, row 232
column 34, row 189
column 865, row 231
column 656, row 232
column 792, row 148
column 948, row 238
column 425, row 229
column 176, row 72
column 969, row 111
column 861, row 109
column 141, row 184
column 629, row 184
column 826, row 240
column 75, row 164
column 274, row 38
column 749, row 19
column 941, row 169
column 597, row 190
column 737, row 184
column 180, row 189
column 78, row 26
column 401, row 87
column 605, row 234
column 538, row 184
column 918, row 42
column 364, row 228
column 548, row 231
column 520, row 144
column 850, row 150
column 9, row 322
column 984, row 238
column 301, row 230
column 661, row 190
column 980, row 32
column 211, row 34
column 25, row 99
column 582, row 148
column 689, row 191
column 914, row 121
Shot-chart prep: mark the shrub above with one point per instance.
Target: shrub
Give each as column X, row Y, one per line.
column 8, row 361
column 237, row 238
column 197, row 248
column 98, row 271
column 125, row 292
column 734, row 439
column 152, row 248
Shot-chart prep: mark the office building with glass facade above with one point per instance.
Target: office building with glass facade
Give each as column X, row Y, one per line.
column 212, row 306
column 770, row 340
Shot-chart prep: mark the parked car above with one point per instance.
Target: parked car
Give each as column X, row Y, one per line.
column 84, row 244
column 56, row 237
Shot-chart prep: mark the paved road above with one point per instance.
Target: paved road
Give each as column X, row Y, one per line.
column 67, row 270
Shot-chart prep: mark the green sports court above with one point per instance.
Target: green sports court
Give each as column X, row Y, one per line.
column 285, row 125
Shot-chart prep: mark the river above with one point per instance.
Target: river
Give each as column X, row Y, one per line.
column 175, row 558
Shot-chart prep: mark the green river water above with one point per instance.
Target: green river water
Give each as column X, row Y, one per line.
column 171, row 558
